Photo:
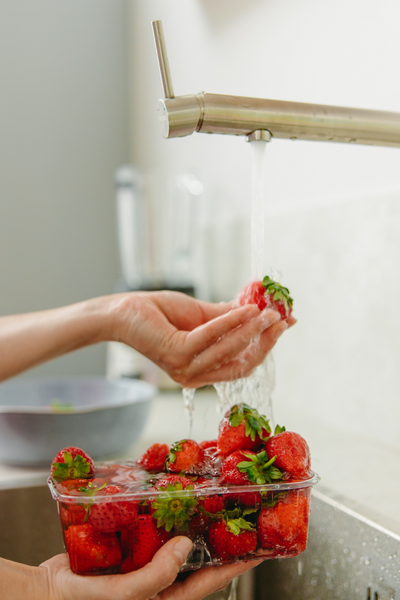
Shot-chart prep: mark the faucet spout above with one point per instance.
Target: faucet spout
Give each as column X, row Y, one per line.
column 236, row 115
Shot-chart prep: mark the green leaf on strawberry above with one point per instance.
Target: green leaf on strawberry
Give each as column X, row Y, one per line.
column 278, row 292
column 255, row 422
column 279, row 429
column 71, row 468
column 259, row 469
column 235, row 526
column 172, row 509
column 177, row 447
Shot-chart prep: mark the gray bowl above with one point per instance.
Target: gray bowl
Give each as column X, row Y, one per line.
column 41, row 416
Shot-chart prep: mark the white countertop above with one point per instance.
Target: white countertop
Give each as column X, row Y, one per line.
column 360, row 475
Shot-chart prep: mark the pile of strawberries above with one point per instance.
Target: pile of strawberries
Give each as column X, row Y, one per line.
column 116, row 516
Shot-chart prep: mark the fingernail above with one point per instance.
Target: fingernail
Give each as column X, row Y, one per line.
column 182, row 548
column 280, row 330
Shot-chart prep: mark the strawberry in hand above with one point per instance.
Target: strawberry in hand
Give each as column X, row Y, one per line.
column 242, row 428
column 267, row 294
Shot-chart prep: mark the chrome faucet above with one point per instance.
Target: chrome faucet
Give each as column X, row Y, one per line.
column 258, row 118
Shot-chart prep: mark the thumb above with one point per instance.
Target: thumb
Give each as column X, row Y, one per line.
column 161, row 572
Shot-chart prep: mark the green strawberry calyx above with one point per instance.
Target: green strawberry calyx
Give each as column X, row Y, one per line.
column 255, row 422
column 259, row 469
column 172, row 509
column 236, row 526
column 279, row 429
column 277, row 292
column 176, row 447
column 71, row 468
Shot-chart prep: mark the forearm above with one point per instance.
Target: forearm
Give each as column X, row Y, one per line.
column 20, row 581
column 29, row 339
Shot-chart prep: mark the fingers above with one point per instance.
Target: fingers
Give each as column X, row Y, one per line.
column 204, row 336
column 232, row 344
column 243, row 363
column 157, row 575
column 206, row 581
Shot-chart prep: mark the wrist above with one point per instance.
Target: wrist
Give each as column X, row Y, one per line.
column 22, row 581
column 109, row 317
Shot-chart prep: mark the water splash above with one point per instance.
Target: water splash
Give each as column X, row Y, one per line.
column 256, row 389
column 188, row 403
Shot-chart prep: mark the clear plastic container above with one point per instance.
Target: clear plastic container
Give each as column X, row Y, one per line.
column 116, row 522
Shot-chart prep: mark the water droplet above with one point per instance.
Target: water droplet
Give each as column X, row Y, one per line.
column 376, row 538
column 364, row 543
column 345, row 550
column 334, row 562
column 314, row 581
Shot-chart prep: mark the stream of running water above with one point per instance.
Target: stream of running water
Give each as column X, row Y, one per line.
column 256, row 389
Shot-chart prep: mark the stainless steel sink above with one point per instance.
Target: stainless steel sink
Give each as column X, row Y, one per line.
column 348, row 558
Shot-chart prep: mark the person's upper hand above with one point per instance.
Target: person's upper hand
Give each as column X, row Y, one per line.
column 157, row 580
column 196, row 342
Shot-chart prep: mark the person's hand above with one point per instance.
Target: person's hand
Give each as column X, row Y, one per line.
column 196, row 342
column 155, row 581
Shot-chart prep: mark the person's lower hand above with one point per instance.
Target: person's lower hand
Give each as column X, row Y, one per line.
column 154, row 581
column 195, row 342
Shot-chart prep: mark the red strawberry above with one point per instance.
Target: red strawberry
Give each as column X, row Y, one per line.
column 267, row 294
column 253, row 293
column 236, row 537
column 72, row 514
column 208, row 444
column 244, row 500
column 171, row 508
column 90, row 551
column 114, row 516
column 285, row 525
column 172, row 480
column 209, row 507
column 214, row 504
column 243, row 468
column 230, row 473
column 154, row 457
column 292, row 453
column 242, row 428
column 147, row 541
column 72, row 463
column 186, row 456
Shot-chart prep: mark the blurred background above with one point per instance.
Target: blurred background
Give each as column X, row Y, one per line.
column 79, row 86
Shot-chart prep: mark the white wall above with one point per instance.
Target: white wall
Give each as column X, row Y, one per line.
column 344, row 54
column 63, row 132
column 331, row 208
